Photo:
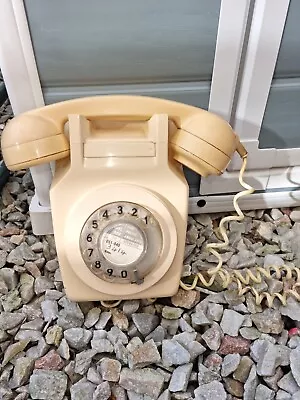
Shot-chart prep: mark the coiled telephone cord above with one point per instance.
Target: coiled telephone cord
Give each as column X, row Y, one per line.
column 244, row 281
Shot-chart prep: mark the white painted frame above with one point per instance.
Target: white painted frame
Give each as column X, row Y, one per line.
column 267, row 26
column 23, row 86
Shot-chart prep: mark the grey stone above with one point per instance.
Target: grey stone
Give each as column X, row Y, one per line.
column 158, row 335
column 231, row 322
column 26, row 288
column 294, row 342
column 166, row 395
column 39, row 350
column 11, row 301
column 130, row 307
column 214, row 311
column 9, row 276
column 5, row 244
column 173, row 353
column 213, row 337
column 77, row 338
column 49, row 310
column 264, row 393
column 134, row 343
column 195, row 349
column 250, row 333
column 64, row 350
column 171, row 312
column 103, row 320
column 20, row 254
column 9, row 320
column 282, row 395
column 110, row 369
column 3, row 257
column 292, row 309
column 101, row 344
column 52, row 294
column 271, row 381
column 121, row 353
column 213, row 390
column 251, row 384
column 295, row 364
column 102, row 392
column 22, row 371
column 200, row 319
column 185, row 338
column 268, row 321
column 71, row 316
column 269, row 356
column 185, row 326
column 47, row 385
column 230, row 364
column 180, row 378
column 142, row 381
column 29, row 334
column 82, row 390
column 205, row 375
column 170, row 326
column 116, row 335
column 94, row 376
column 118, row 392
column 51, row 265
column 288, row 383
column 144, row 355
column 145, row 323
column 296, row 396
column 92, row 317
column 5, row 392
column 41, row 284
column 83, row 361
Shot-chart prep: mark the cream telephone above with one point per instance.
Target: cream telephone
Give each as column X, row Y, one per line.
column 119, row 198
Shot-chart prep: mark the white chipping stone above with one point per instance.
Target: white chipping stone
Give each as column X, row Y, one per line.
column 180, row 378
column 231, row 322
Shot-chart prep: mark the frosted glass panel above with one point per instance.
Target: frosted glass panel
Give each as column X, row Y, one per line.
column 100, row 42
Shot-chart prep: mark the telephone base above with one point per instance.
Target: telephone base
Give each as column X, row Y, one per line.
column 41, row 218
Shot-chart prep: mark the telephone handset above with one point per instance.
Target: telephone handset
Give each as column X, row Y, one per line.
column 119, row 198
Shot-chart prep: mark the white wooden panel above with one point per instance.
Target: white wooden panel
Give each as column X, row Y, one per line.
column 263, row 46
column 21, row 78
column 231, row 32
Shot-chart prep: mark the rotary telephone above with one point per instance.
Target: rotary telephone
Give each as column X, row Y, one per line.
column 119, row 198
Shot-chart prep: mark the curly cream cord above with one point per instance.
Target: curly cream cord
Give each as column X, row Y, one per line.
column 244, row 281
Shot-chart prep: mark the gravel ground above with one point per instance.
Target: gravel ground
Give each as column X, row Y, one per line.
column 193, row 345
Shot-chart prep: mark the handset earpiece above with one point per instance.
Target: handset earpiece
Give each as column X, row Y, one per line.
column 32, row 139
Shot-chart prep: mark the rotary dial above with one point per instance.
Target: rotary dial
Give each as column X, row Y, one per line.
column 121, row 242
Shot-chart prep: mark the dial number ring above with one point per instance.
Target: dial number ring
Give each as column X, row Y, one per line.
column 121, row 242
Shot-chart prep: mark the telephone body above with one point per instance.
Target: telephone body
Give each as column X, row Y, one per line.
column 119, row 198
